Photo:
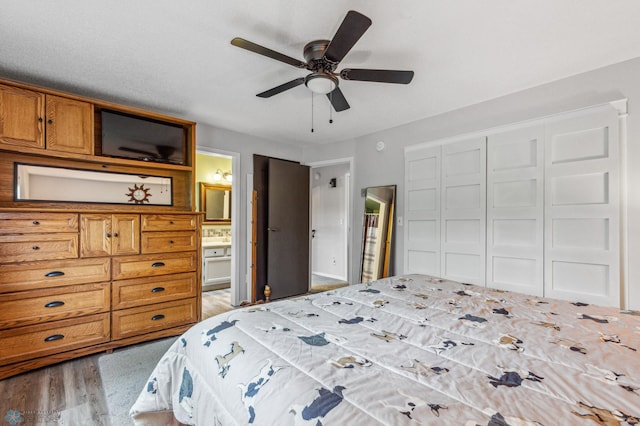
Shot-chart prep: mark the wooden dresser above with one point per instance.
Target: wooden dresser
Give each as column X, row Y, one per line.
column 78, row 278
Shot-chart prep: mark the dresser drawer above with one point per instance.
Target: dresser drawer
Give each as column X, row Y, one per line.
column 21, row 248
column 162, row 242
column 37, row 306
column 28, row 223
column 135, row 321
column 145, row 291
column 53, row 273
column 33, row 341
column 168, row 222
column 148, row 265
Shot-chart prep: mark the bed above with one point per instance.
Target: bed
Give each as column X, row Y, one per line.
column 403, row 350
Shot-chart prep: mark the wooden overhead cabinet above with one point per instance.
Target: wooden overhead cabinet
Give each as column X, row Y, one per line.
column 69, row 126
column 21, row 117
column 37, row 120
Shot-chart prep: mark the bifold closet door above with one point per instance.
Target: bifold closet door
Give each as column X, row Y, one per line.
column 463, row 211
column 582, row 208
column 422, row 211
column 515, row 210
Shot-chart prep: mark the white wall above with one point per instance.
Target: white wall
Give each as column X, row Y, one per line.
column 328, row 209
column 373, row 168
column 245, row 145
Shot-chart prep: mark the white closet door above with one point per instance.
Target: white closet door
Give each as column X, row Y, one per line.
column 582, row 208
column 422, row 211
column 515, row 210
column 463, row 211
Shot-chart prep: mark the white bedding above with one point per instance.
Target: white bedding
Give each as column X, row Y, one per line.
column 403, row 350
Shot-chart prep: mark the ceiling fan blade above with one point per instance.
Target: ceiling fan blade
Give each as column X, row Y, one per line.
column 338, row 100
column 261, row 50
column 279, row 89
column 138, row 151
column 380, row 76
column 352, row 28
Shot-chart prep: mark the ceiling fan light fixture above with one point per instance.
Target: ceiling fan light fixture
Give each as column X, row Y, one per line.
column 321, row 83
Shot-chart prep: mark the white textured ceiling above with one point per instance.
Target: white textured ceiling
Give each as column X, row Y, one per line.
column 175, row 56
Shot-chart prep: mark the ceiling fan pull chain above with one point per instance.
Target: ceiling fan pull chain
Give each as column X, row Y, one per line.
column 311, row 112
column 330, row 108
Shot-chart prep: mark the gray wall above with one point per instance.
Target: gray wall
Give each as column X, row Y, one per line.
column 372, row 168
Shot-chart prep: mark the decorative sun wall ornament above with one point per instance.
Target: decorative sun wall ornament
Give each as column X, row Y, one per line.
column 139, row 194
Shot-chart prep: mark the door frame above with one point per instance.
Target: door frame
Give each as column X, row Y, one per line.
column 235, row 216
column 348, row 213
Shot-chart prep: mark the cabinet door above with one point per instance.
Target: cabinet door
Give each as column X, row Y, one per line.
column 21, row 116
column 95, row 235
column 582, row 247
column 126, row 234
column 216, row 270
column 515, row 210
column 463, row 211
column 69, row 125
column 422, row 211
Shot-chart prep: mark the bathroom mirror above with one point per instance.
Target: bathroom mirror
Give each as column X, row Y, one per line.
column 59, row 184
column 215, row 201
column 377, row 232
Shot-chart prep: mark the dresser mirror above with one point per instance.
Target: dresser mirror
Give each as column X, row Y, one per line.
column 377, row 230
column 58, row 184
column 215, row 202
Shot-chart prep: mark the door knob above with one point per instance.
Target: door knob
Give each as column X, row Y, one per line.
column 273, row 229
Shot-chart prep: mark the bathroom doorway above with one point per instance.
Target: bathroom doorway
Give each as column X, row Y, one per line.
column 215, row 184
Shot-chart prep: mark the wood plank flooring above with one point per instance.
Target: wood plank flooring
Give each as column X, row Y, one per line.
column 70, row 393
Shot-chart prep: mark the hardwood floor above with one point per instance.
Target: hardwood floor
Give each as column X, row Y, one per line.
column 215, row 302
column 70, row 393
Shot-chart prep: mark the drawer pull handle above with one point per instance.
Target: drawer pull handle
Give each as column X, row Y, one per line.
column 108, row 235
column 54, row 337
column 157, row 289
column 170, row 222
column 157, row 264
column 170, row 241
column 54, row 304
column 35, row 248
column 157, row 317
column 35, row 222
column 54, row 274
column 115, row 235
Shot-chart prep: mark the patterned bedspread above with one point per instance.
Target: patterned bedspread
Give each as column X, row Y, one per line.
column 403, row 350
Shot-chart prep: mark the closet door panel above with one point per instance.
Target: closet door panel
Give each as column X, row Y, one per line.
column 582, row 208
column 463, row 211
column 515, row 210
column 422, row 212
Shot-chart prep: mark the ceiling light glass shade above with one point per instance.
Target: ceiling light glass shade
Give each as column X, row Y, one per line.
column 218, row 175
column 228, row 177
column 321, row 83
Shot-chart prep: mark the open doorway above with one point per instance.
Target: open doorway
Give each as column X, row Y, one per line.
column 215, row 176
column 330, row 224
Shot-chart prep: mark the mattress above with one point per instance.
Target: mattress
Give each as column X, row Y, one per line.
column 403, row 350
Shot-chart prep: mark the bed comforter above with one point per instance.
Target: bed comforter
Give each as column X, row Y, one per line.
column 403, row 350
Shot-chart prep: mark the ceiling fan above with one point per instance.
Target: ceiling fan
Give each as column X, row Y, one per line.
column 163, row 152
column 322, row 58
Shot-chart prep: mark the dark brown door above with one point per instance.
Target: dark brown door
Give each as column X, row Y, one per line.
column 288, row 229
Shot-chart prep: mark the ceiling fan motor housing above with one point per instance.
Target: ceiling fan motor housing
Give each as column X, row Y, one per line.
column 314, row 55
